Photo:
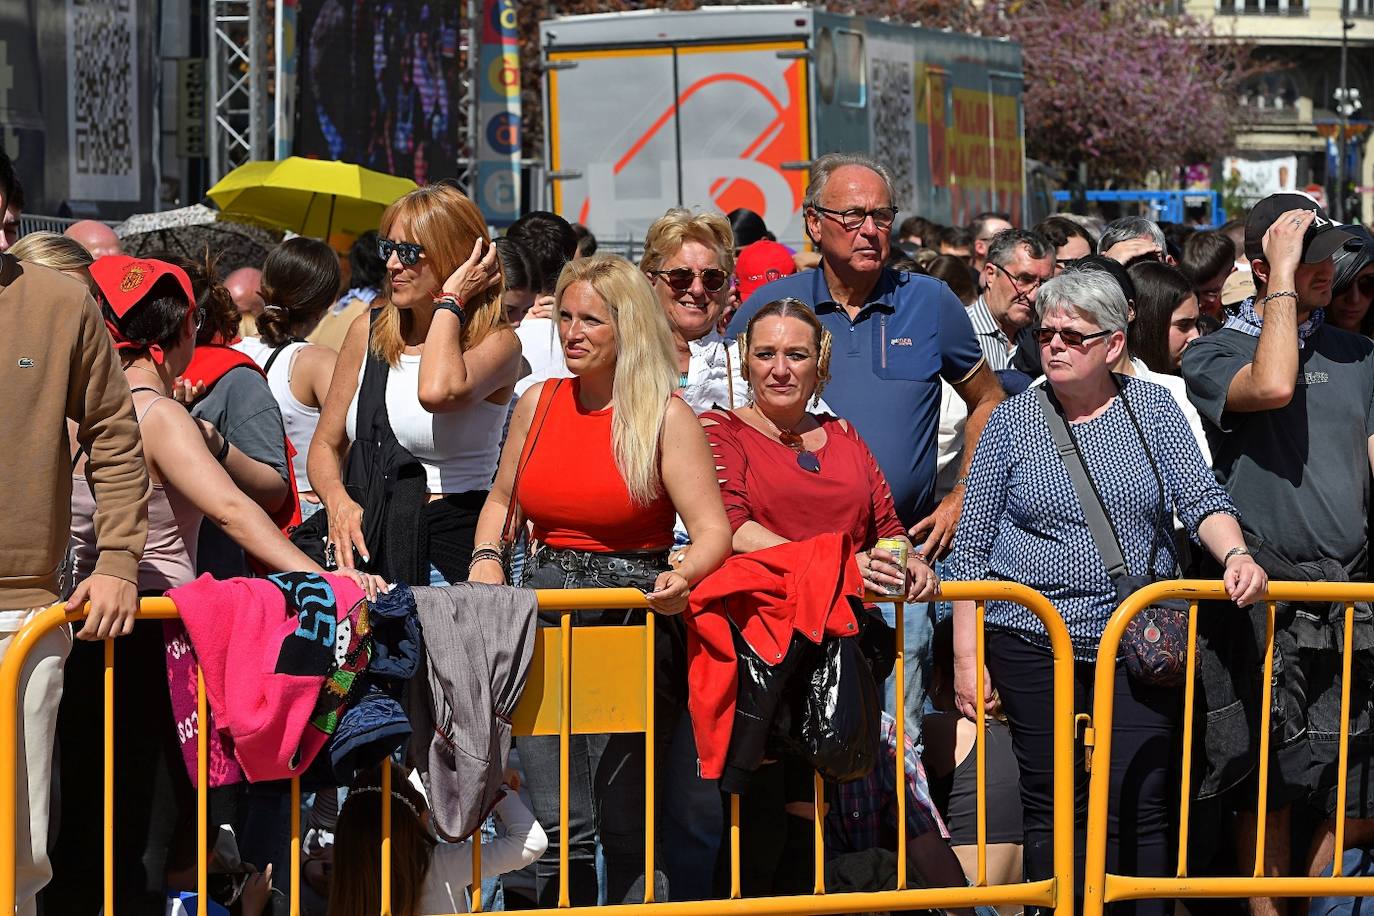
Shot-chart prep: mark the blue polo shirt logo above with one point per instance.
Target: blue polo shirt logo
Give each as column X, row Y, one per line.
column 900, row 342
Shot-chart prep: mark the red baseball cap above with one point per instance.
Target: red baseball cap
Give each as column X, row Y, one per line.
column 762, row 262
column 126, row 281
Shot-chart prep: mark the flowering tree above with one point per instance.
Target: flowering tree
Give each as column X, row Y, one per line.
column 1123, row 87
column 1119, row 86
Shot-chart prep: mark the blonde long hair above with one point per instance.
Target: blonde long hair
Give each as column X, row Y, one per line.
column 645, row 365
column 52, row 250
column 446, row 223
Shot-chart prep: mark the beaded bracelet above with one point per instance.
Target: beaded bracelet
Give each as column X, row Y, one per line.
column 484, row 554
column 1283, row 294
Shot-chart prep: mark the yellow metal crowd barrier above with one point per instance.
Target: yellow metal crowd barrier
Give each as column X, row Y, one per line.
column 564, row 698
column 1101, row 888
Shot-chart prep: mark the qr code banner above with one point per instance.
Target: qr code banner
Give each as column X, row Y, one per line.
column 102, row 99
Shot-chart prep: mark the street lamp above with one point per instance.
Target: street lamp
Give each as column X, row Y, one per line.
column 1347, row 103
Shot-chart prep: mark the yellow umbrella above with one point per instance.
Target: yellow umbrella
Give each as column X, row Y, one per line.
column 309, row 196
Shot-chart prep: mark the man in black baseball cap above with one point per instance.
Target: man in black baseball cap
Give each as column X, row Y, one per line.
column 1287, row 401
column 1322, row 239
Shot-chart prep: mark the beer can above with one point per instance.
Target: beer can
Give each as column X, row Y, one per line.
column 898, row 549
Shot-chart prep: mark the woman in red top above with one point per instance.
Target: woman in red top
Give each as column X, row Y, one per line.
column 599, row 465
column 787, row 474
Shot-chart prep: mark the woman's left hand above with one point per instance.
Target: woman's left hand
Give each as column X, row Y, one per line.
column 1245, row 580
column 881, row 574
column 922, row 584
column 479, row 273
column 372, row 585
column 670, row 593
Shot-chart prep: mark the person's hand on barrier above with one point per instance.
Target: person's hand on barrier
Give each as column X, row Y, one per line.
column 670, row 593
column 114, row 602
column 880, row 571
column 488, row 571
column 966, row 685
column 346, row 533
column 479, row 273
column 1245, row 579
column 542, row 308
column 922, row 584
column 257, row 893
column 371, row 585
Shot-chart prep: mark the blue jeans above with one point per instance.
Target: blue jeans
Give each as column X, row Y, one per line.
column 606, row 772
column 918, row 630
column 693, row 820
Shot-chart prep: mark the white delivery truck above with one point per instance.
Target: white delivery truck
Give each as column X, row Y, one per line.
column 727, row 106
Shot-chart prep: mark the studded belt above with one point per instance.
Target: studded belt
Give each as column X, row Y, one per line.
column 639, row 563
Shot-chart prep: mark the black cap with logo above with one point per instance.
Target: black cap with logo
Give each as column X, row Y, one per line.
column 1322, row 239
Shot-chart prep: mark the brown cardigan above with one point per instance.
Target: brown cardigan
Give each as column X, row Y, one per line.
column 57, row 362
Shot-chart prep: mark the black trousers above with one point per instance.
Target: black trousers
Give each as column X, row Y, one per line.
column 1144, row 793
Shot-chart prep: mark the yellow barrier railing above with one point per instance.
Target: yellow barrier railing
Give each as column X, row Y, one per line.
column 1101, row 888
column 549, row 699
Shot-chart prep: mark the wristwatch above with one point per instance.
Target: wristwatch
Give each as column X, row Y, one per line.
column 1235, row 552
column 451, row 303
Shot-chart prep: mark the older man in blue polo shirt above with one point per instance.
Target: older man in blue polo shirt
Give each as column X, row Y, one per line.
column 896, row 335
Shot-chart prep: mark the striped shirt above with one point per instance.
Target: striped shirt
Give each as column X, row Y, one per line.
column 998, row 349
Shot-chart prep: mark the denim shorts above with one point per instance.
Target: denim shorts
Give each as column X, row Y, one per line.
column 1305, row 727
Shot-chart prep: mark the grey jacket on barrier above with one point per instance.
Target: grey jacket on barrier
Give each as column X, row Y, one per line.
column 478, row 641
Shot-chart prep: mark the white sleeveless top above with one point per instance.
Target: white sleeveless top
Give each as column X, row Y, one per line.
column 459, row 449
column 300, row 421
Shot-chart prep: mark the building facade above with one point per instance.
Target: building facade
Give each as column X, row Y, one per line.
column 1293, row 138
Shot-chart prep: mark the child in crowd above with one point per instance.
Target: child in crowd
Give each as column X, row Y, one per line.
column 951, row 763
column 427, row 875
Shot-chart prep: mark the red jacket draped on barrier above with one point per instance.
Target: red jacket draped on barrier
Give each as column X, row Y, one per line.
column 801, row 587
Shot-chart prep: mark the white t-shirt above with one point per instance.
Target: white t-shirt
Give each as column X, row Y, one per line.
column 519, row 841
column 1178, row 389
column 542, row 350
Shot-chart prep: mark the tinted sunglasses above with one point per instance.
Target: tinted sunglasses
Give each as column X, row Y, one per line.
column 681, row 278
column 408, row 252
column 1070, row 337
column 1365, row 286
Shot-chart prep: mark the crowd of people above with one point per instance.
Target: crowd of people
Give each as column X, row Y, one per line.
column 754, row 438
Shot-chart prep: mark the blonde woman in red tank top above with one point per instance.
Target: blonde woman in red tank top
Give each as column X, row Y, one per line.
column 599, row 465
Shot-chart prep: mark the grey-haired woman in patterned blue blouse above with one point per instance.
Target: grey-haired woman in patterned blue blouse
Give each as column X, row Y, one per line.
column 1023, row 522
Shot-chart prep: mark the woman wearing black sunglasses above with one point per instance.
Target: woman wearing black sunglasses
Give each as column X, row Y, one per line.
column 1025, row 521
column 689, row 258
column 1352, row 286
column 448, row 361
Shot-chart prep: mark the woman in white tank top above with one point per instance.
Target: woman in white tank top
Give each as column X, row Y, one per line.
column 299, row 282
column 452, row 361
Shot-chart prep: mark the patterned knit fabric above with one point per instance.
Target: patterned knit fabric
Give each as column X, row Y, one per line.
column 1022, row 521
